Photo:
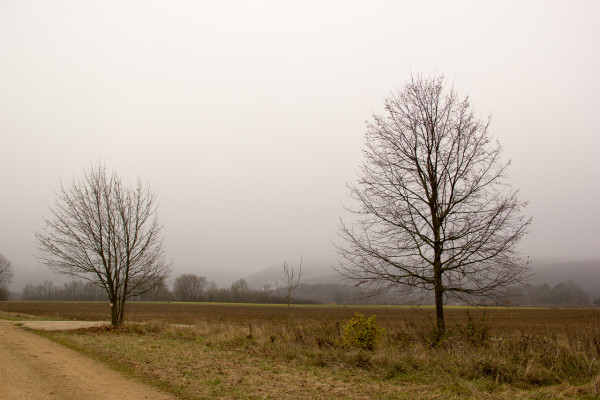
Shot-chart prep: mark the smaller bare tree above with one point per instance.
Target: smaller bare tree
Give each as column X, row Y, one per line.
column 291, row 279
column 6, row 271
column 6, row 274
column 268, row 289
column 189, row 287
column 106, row 233
column 239, row 290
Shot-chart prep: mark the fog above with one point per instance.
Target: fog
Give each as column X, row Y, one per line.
column 247, row 118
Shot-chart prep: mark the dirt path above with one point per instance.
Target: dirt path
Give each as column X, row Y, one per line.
column 33, row 367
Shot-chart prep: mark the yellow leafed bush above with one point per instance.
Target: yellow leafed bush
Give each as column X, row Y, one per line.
column 362, row 332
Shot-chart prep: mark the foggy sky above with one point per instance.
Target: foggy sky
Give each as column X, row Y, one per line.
column 247, row 117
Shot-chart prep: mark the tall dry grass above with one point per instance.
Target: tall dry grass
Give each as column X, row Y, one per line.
column 469, row 352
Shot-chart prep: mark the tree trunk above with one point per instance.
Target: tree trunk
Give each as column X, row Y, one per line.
column 124, row 295
column 114, row 312
column 438, row 285
column 439, row 306
column 121, row 311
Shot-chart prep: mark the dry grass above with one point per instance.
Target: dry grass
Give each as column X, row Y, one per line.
column 252, row 352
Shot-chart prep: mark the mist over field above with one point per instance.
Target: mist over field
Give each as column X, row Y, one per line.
column 247, row 118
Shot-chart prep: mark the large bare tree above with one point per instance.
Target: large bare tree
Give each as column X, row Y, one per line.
column 434, row 211
column 106, row 233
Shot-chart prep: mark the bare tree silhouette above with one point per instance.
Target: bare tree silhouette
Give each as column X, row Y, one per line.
column 108, row 234
column 434, row 212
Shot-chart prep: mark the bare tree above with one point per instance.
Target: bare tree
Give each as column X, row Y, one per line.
column 434, row 212
column 6, row 275
column 239, row 290
column 106, row 233
column 268, row 289
column 292, row 279
column 6, row 271
column 189, row 287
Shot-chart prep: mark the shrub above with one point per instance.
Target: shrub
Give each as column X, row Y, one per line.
column 362, row 332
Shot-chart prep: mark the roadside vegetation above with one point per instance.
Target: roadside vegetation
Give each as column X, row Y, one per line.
column 241, row 351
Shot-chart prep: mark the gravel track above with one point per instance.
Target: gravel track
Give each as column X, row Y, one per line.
column 33, row 367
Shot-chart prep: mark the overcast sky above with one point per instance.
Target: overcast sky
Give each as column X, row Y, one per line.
column 247, row 117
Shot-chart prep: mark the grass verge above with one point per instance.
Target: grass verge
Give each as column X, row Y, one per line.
column 291, row 359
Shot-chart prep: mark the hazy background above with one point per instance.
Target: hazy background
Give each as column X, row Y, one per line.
column 247, row 117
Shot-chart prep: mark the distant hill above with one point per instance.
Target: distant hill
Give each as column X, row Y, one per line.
column 310, row 275
column 585, row 273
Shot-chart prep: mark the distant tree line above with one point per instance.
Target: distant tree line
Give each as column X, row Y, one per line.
column 186, row 288
column 69, row 291
column 562, row 294
column 335, row 293
column 196, row 288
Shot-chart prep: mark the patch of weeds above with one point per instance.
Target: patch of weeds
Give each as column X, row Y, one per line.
column 395, row 370
column 320, row 360
column 360, row 359
column 238, row 342
column 476, row 333
column 458, row 389
column 537, row 374
column 400, row 339
column 325, row 341
column 154, row 327
column 497, row 372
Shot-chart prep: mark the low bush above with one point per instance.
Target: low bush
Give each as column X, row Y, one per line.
column 361, row 332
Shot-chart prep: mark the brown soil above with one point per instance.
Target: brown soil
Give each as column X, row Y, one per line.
column 33, row 367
